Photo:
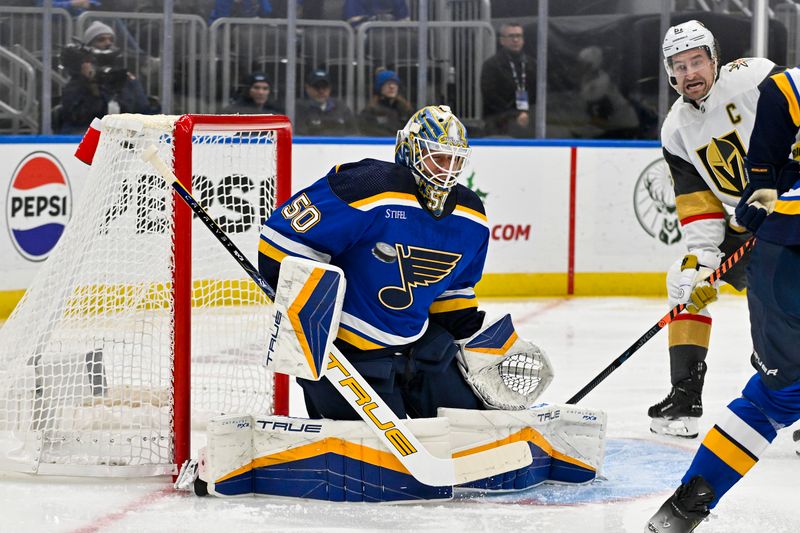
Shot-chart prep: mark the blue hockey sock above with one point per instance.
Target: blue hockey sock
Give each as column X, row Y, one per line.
column 732, row 448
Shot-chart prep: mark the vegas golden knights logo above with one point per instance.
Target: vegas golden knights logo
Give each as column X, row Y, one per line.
column 419, row 267
column 723, row 158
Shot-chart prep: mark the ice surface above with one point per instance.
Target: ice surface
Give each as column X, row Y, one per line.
column 581, row 336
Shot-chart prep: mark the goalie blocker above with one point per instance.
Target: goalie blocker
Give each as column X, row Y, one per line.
column 344, row 461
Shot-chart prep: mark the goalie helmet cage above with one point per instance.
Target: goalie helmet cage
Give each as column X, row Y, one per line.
column 138, row 328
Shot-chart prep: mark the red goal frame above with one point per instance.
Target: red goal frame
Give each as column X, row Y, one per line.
column 184, row 128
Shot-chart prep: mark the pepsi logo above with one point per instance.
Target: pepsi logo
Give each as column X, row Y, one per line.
column 38, row 205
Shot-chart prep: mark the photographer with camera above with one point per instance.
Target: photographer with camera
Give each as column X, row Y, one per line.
column 99, row 83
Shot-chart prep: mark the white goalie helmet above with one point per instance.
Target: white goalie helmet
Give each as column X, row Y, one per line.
column 434, row 145
column 687, row 36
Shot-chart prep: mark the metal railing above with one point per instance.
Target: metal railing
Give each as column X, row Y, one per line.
column 17, row 94
column 452, row 61
column 468, row 10
column 58, row 78
column 789, row 16
column 23, row 26
column 239, row 46
column 138, row 35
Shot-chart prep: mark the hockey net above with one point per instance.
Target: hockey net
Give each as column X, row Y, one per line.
column 95, row 360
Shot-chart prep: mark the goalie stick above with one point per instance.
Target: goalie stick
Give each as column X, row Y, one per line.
column 359, row 394
column 658, row 326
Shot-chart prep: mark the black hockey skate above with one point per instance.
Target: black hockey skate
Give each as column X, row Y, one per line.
column 684, row 510
column 678, row 414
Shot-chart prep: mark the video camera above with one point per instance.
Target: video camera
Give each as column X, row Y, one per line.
column 109, row 67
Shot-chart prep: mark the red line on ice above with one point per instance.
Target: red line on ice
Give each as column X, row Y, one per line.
column 549, row 306
column 136, row 505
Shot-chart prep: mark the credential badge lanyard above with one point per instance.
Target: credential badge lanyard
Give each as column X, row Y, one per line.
column 520, row 95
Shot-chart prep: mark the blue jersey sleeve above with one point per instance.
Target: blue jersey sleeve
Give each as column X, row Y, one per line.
column 777, row 121
column 314, row 223
column 768, row 157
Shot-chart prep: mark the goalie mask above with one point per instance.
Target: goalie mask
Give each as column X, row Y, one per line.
column 682, row 38
column 433, row 144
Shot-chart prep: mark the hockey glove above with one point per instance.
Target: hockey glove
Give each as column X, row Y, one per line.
column 754, row 207
column 695, row 291
column 758, row 198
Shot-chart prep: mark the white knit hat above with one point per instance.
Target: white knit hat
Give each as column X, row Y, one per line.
column 96, row 29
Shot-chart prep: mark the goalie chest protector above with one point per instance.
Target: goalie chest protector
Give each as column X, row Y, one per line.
column 367, row 219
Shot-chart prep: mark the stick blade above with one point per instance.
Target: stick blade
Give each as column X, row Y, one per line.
column 492, row 462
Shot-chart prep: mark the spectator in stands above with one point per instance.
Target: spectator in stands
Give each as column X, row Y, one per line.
column 387, row 110
column 254, row 97
column 75, row 7
column 99, row 35
column 98, row 85
column 610, row 114
column 321, row 114
column 359, row 11
column 508, row 86
column 121, row 86
column 240, row 8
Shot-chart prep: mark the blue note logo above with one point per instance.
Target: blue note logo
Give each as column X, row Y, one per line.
column 38, row 205
column 419, row 267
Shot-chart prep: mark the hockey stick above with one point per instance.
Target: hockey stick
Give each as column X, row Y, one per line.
column 666, row 319
column 405, row 446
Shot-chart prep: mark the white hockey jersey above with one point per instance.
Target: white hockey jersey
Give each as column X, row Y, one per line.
column 705, row 145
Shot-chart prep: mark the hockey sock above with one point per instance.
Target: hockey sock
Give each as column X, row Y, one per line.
column 732, row 448
column 688, row 343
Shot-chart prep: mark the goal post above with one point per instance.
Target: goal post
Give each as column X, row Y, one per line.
column 139, row 326
column 186, row 128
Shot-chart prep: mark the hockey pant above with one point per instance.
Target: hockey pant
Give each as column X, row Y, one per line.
column 773, row 297
column 414, row 381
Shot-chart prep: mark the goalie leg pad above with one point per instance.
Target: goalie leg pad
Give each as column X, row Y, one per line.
column 317, row 459
column 567, row 443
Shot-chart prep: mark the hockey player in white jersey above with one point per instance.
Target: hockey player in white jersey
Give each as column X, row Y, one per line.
column 705, row 138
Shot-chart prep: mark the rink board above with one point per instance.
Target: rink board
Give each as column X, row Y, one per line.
column 566, row 217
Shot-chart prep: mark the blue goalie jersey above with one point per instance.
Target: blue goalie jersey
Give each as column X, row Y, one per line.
column 402, row 264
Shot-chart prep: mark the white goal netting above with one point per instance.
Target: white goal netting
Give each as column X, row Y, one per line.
column 87, row 356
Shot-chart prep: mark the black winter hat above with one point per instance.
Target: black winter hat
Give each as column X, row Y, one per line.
column 319, row 77
column 255, row 77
